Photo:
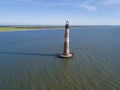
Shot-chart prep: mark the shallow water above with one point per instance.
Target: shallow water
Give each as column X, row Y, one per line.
column 29, row 61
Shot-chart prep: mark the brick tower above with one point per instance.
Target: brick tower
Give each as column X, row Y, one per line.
column 66, row 51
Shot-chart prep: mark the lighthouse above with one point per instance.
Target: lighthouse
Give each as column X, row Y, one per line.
column 66, row 51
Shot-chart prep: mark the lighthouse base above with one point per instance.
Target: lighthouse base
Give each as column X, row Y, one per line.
column 66, row 55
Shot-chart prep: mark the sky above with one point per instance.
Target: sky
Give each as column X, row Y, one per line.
column 56, row 12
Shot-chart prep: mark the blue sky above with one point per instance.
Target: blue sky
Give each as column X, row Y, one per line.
column 56, row 12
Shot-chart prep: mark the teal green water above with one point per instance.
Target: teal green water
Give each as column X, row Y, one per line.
column 29, row 61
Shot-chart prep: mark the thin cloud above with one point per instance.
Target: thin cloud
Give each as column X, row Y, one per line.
column 92, row 8
column 87, row 4
column 111, row 2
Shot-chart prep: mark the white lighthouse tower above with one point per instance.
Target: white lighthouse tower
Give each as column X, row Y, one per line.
column 66, row 51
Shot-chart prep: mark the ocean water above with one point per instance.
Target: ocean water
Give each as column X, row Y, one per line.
column 29, row 59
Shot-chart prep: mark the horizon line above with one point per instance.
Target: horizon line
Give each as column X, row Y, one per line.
column 56, row 25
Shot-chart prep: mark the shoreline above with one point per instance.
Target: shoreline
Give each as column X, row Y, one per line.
column 28, row 29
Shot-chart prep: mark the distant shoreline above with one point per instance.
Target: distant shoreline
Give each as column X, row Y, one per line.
column 13, row 28
column 26, row 28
